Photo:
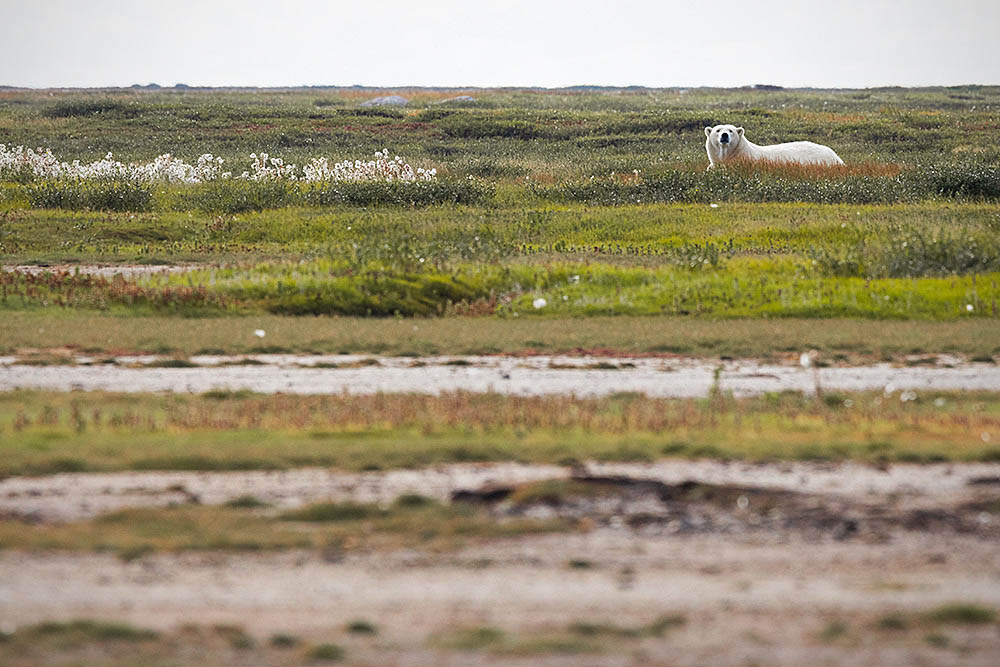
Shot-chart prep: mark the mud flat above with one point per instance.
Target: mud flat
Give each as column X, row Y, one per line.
column 525, row 376
column 772, row 564
column 74, row 496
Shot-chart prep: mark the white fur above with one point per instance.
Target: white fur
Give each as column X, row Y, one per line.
column 741, row 148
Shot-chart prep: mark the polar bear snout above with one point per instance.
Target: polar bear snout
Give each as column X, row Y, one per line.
column 724, row 138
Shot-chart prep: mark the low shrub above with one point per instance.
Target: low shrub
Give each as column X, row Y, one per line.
column 899, row 251
column 330, row 652
column 239, row 196
column 95, row 630
column 399, row 193
column 321, row 512
column 963, row 614
column 98, row 195
column 967, row 180
column 850, row 184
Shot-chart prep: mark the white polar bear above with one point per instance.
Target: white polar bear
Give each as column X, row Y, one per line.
column 726, row 143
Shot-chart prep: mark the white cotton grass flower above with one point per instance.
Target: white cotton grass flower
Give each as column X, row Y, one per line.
column 382, row 168
column 259, row 333
column 713, row 206
column 539, row 303
column 166, row 168
column 969, row 307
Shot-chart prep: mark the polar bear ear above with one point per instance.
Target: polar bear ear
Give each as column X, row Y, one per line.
column 708, row 131
column 739, row 131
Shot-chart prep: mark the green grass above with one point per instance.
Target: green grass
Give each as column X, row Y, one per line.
column 94, row 630
column 360, row 626
column 284, row 640
column 513, row 226
column 135, row 533
column 742, row 288
column 49, row 432
column 833, row 631
column 656, row 628
column 579, row 637
column 474, row 639
column 327, row 653
column 962, row 614
column 101, row 642
column 840, row 339
column 926, row 261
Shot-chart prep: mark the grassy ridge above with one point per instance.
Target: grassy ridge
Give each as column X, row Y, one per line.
column 743, row 288
column 639, row 233
column 927, row 261
column 45, row 432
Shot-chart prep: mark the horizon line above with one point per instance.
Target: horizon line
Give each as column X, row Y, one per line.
column 760, row 87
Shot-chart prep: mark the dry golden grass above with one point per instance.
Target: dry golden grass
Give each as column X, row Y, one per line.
column 56, row 432
column 793, row 171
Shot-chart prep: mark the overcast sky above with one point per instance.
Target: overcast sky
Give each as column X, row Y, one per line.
column 844, row 43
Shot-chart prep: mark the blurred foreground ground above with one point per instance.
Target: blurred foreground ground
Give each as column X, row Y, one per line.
column 670, row 563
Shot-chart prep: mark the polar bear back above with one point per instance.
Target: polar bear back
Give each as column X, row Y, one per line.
column 801, row 152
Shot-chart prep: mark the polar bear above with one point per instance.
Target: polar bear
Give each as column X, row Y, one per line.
column 725, row 143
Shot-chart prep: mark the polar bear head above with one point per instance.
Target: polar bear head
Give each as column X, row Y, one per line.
column 724, row 137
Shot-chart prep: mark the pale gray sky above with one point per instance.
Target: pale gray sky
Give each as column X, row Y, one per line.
column 845, row 43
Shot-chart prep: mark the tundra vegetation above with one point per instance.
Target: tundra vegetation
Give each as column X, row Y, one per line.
column 527, row 221
column 593, row 203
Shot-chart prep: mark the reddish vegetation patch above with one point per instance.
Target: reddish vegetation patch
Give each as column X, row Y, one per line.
column 816, row 171
column 72, row 289
column 980, row 127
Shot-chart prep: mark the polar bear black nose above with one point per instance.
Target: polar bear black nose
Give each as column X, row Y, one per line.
column 724, row 139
